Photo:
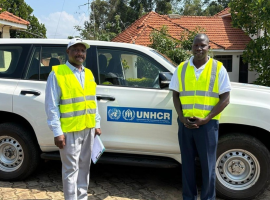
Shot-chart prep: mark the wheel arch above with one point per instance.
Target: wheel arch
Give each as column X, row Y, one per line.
column 256, row 132
column 6, row 117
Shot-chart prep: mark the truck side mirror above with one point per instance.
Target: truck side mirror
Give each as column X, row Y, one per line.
column 165, row 79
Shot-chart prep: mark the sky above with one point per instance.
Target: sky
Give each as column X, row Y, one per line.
column 60, row 16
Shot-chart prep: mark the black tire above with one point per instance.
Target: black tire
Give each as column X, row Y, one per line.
column 19, row 153
column 243, row 167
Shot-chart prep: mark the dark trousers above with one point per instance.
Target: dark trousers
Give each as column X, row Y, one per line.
column 203, row 142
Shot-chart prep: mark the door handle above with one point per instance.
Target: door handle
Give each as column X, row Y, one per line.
column 105, row 97
column 34, row 92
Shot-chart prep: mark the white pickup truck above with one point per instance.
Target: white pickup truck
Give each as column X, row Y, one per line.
column 139, row 125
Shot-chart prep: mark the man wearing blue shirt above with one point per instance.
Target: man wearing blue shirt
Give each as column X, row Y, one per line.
column 72, row 115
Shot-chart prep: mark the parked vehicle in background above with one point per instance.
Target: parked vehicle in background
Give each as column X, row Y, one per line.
column 139, row 124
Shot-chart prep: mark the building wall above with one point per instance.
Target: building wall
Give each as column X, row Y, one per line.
column 4, row 31
column 252, row 75
column 5, row 27
column 131, row 62
column 259, row 34
column 5, row 60
column 234, row 75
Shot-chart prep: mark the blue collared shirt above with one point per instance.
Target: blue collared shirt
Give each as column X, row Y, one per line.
column 52, row 100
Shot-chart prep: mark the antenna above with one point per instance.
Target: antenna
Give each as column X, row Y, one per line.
column 89, row 17
column 94, row 20
column 133, row 41
column 88, row 6
column 59, row 18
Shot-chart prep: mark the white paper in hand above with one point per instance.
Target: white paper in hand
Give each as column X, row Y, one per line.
column 98, row 149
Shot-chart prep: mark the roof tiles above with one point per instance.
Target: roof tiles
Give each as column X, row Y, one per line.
column 219, row 30
column 7, row 16
column 226, row 12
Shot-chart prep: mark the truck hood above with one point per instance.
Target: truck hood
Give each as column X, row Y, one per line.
column 249, row 105
column 249, row 94
column 250, row 87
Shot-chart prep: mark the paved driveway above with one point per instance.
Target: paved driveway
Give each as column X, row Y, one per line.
column 110, row 182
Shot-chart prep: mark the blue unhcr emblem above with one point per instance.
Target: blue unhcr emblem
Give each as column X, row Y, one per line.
column 114, row 114
column 139, row 115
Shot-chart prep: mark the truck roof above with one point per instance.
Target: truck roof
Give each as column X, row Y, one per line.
column 66, row 41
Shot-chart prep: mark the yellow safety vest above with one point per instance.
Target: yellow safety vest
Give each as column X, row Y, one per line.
column 198, row 97
column 77, row 105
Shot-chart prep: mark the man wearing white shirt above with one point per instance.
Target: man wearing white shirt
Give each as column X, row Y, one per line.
column 201, row 90
column 72, row 115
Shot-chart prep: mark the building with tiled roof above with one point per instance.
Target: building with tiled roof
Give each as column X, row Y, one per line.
column 9, row 21
column 224, row 13
column 227, row 42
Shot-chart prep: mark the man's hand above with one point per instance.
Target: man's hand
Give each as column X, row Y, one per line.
column 199, row 121
column 97, row 131
column 187, row 123
column 60, row 141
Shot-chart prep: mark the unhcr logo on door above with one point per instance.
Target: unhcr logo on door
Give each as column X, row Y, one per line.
column 128, row 114
column 139, row 115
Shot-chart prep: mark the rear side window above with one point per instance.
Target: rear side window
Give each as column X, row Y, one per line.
column 42, row 59
column 12, row 59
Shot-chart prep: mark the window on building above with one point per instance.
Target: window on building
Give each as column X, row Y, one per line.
column 226, row 60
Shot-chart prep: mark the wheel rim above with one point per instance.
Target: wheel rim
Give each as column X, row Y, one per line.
column 11, row 154
column 237, row 169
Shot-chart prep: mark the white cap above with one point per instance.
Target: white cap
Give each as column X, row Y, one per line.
column 77, row 41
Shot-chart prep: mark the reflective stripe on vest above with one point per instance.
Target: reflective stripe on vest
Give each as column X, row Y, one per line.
column 197, row 106
column 198, row 97
column 76, row 100
column 77, row 104
column 78, row 113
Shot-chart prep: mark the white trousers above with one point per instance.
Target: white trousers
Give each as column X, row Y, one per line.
column 76, row 160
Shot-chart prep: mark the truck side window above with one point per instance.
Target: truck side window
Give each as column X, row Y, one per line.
column 11, row 60
column 42, row 61
column 127, row 68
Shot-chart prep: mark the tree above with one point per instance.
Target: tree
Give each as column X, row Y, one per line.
column 177, row 50
column 199, row 7
column 142, row 6
column 224, row 3
column 104, row 21
column 213, row 8
column 253, row 18
column 24, row 11
column 110, row 17
column 163, row 7
column 193, row 7
column 95, row 31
